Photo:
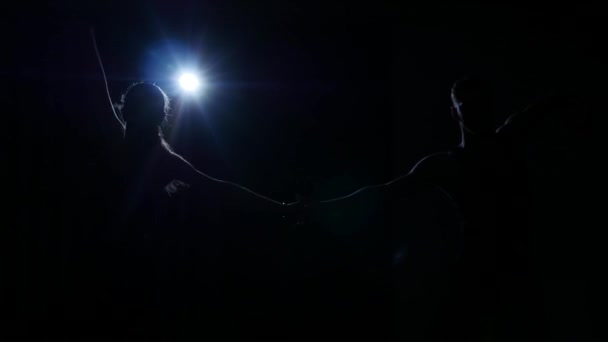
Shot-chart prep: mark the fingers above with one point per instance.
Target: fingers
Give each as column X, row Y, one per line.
column 175, row 186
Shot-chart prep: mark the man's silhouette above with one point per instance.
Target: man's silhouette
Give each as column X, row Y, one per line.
column 486, row 177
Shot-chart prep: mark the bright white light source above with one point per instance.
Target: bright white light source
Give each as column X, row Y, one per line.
column 189, row 82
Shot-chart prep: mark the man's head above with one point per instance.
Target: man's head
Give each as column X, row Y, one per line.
column 144, row 106
column 473, row 105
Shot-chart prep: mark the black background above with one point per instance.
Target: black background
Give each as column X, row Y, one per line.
column 345, row 94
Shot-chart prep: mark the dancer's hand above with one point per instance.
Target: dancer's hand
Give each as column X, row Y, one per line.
column 175, row 187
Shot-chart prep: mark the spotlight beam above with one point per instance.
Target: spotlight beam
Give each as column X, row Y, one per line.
column 189, row 82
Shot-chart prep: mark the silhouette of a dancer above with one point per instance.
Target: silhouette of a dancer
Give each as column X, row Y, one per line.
column 490, row 287
column 172, row 220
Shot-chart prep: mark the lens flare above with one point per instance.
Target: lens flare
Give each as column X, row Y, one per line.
column 189, row 82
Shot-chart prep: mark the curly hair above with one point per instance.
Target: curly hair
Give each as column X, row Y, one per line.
column 144, row 104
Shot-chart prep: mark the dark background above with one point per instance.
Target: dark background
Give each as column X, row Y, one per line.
column 347, row 95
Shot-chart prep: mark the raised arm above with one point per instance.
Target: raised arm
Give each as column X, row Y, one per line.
column 526, row 120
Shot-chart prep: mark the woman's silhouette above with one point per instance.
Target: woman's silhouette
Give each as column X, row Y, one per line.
column 146, row 157
column 149, row 158
column 172, row 220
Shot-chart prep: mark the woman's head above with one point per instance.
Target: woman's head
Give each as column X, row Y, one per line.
column 144, row 106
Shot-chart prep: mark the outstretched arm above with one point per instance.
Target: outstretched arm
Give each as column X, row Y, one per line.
column 232, row 193
column 423, row 170
column 416, row 174
column 365, row 199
